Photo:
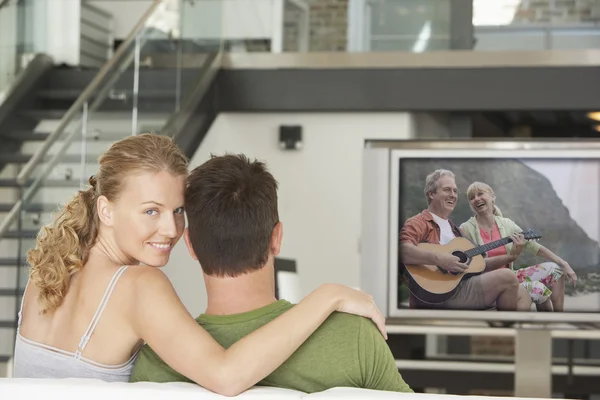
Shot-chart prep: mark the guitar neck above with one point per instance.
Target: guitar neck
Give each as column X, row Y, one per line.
column 487, row 247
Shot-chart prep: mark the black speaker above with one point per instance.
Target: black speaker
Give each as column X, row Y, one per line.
column 290, row 137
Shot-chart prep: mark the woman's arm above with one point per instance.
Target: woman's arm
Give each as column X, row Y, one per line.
column 162, row 321
column 546, row 254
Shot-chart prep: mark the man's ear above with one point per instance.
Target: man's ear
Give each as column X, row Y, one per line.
column 105, row 212
column 188, row 243
column 276, row 238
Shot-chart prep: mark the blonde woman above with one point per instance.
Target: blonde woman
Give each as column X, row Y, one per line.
column 96, row 292
column 544, row 282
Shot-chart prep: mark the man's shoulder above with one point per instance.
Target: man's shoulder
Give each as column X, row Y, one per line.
column 349, row 327
column 423, row 216
column 151, row 368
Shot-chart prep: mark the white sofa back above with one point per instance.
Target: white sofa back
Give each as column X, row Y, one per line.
column 79, row 389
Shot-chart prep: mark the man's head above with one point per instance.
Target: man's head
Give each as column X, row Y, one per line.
column 233, row 222
column 441, row 192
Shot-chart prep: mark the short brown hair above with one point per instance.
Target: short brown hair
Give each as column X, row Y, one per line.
column 231, row 205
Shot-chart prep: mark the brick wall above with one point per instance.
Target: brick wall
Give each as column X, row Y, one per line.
column 558, row 11
column 328, row 26
column 492, row 345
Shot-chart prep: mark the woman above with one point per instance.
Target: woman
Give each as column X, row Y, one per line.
column 544, row 282
column 94, row 267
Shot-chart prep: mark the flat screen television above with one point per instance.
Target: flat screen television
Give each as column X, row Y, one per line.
column 551, row 190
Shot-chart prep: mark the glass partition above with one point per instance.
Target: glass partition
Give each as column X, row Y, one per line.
column 536, row 25
column 18, row 25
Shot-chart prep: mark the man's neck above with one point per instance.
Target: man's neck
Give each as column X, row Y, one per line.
column 241, row 294
column 444, row 214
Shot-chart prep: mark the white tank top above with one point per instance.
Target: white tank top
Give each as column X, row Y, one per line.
column 37, row 360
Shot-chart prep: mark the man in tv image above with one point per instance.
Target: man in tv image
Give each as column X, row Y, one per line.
column 497, row 286
column 235, row 233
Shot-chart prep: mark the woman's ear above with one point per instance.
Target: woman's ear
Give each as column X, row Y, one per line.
column 105, row 212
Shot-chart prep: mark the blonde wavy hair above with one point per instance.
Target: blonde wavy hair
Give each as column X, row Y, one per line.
column 63, row 247
column 476, row 187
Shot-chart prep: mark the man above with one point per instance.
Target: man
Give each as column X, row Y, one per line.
column 496, row 285
column 235, row 234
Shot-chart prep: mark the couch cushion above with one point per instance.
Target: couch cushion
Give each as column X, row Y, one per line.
column 78, row 389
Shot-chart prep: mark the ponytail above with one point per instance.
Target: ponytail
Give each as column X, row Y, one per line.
column 63, row 247
column 497, row 211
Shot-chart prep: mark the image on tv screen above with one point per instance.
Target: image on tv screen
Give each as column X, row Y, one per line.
column 499, row 234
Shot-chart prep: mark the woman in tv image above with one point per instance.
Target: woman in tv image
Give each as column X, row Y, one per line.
column 544, row 282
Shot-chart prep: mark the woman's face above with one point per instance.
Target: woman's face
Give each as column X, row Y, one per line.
column 481, row 202
column 148, row 218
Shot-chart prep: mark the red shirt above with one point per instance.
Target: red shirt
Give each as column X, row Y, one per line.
column 499, row 251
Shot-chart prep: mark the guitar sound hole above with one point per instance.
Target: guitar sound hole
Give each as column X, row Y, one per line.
column 461, row 256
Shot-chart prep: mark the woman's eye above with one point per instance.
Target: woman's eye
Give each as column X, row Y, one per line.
column 179, row 210
column 152, row 212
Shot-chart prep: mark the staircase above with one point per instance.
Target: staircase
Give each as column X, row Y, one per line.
column 56, row 122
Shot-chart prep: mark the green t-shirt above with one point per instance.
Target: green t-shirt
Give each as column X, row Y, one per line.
column 345, row 351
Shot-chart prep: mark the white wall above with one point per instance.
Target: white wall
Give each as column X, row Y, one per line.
column 126, row 13
column 319, row 192
column 63, row 31
column 8, row 50
column 206, row 19
column 232, row 19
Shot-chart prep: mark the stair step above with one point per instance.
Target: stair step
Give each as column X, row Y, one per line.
column 36, row 207
column 7, row 324
column 59, row 94
column 47, row 183
column 44, row 114
column 26, row 136
column 11, row 292
column 19, row 158
column 73, row 94
column 24, row 234
column 10, row 262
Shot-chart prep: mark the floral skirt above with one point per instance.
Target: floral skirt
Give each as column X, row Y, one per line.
column 537, row 279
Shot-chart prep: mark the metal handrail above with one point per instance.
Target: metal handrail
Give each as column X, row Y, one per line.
column 73, row 111
column 3, row 3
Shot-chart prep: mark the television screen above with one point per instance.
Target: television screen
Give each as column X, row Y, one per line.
column 483, row 230
column 555, row 202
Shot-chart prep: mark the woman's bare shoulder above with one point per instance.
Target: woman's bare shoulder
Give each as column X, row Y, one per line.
column 141, row 275
column 147, row 282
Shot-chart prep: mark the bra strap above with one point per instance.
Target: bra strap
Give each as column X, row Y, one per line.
column 92, row 326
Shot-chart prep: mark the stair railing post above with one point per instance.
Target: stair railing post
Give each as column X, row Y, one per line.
column 136, row 86
column 20, row 263
column 84, row 129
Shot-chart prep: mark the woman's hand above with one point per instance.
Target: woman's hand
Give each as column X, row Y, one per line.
column 353, row 301
column 518, row 244
column 571, row 276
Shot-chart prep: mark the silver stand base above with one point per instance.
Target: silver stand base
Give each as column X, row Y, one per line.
column 533, row 363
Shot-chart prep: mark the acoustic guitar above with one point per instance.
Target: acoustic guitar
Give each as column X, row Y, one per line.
column 432, row 284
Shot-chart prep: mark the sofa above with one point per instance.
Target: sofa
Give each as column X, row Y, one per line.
column 78, row 389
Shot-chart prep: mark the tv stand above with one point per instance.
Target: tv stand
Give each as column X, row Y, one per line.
column 533, row 362
column 529, row 373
